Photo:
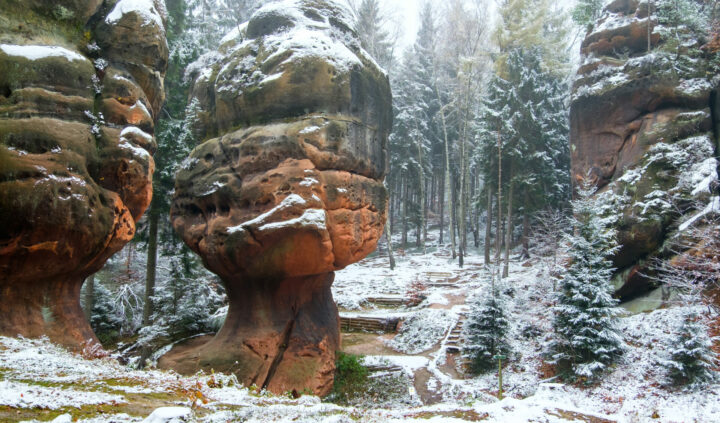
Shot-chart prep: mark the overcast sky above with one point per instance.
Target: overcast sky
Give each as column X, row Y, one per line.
column 408, row 16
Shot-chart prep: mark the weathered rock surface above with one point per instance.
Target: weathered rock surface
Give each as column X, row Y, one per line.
column 81, row 82
column 290, row 191
column 644, row 127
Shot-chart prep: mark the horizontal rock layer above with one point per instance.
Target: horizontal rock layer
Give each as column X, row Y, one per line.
column 81, row 83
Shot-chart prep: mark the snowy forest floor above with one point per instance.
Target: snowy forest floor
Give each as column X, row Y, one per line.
column 413, row 374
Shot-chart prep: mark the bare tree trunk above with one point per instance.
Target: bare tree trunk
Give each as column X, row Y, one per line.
column 508, row 230
column 452, row 217
column 151, row 263
column 128, row 259
column 447, row 169
column 441, row 206
column 388, row 233
column 404, row 212
column 426, row 206
column 475, row 212
column 422, row 203
column 498, row 235
column 526, row 227
column 391, row 256
column 418, row 226
column 488, row 224
column 89, row 296
column 433, row 193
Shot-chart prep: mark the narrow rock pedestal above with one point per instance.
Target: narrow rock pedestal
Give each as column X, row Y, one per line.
column 279, row 335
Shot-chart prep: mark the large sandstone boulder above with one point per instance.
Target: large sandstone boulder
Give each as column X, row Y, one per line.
column 288, row 189
column 644, row 127
column 81, row 83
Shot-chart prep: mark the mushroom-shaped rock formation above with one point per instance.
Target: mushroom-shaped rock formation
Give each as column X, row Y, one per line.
column 80, row 84
column 288, row 191
column 642, row 129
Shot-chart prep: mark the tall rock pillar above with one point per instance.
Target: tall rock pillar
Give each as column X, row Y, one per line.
column 286, row 188
column 81, row 83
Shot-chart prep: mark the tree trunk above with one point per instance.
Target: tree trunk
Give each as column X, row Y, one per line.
column 89, row 296
column 526, row 228
column 488, row 225
column 498, row 234
column 128, row 259
column 418, row 225
column 452, row 217
column 422, row 203
column 447, row 171
column 508, row 230
column 151, row 263
column 475, row 213
column 433, row 193
column 404, row 212
column 393, row 206
column 442, row 204
column 391, row 256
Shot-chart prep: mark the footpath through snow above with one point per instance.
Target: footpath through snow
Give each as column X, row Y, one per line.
column 42, row 382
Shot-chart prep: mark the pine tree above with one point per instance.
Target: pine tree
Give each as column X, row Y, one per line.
column 586, row 12
column 526, row 24
column 586, row 340
column 414, row 130
column 369, row 24
column 486, row 329
column 692, row 359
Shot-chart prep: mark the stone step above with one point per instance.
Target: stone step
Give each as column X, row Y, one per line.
column 388, row 301
column 369, row 324
column 387, row 368
column 452, row 344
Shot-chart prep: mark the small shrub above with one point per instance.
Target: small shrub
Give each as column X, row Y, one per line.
column 350, row 377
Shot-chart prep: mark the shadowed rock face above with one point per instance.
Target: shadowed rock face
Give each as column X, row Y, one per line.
column 80, row 86
column 288, row 191
column 642, row 128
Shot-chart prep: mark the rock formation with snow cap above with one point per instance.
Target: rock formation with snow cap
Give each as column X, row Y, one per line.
column 286, row 188
column 79, row 96
column 644, row 127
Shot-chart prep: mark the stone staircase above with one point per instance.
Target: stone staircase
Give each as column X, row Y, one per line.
column 440, row 279
column 453, row 343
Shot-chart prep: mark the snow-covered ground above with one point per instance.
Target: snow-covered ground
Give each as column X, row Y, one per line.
column 41, row 381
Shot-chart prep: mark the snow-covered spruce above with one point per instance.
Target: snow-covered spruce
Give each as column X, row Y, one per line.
column 586, row 339
column 691, row 359
column 486, row 329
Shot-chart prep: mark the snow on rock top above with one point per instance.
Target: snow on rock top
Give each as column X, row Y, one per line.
column 304, row 34
column 36, row 52
column 144, row 8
